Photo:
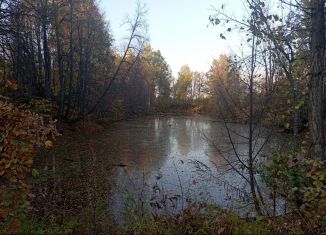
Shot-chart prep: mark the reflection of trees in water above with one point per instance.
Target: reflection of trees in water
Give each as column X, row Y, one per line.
column 230, row 170
column 182, row 136
column 78, row 179
column 92, row 160
column 144, row 145
column 220, row 143
column 189, row 134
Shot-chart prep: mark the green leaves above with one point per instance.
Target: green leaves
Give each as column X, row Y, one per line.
column 299, row 104
column 35, row 173
column 303, row 180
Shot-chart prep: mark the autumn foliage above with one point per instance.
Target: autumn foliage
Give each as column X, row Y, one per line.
column 21, row 133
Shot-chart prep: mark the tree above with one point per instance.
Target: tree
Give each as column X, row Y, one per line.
column 199, row 85
column 317, row 55
column 61, row 50
column 225, row 85
column 184, row 85
column 252, row 102
column 44, row 11
column 135, row 45
column 161, row 73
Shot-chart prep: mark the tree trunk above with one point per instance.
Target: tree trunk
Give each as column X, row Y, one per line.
column 47, row 55
column 294, row 100
column 60, row 64
column 316, row 82
column 252, row 180
column 71, row 59
column 39, row 58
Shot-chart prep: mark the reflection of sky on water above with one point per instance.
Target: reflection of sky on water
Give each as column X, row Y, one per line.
column 162, row 156
column 160, row 153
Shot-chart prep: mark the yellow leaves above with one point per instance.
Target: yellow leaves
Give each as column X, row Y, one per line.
column 22, row 132
column 9, row 84
column 29, row 162
column 194, row 182
column 48, row 144
column 13, row 86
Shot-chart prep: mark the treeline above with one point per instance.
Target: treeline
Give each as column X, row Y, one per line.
column 62, row 51
column 213, row 91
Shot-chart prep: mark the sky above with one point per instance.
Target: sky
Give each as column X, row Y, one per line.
column 180, row 29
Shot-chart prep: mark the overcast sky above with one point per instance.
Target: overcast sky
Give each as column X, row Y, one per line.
column 178, row 28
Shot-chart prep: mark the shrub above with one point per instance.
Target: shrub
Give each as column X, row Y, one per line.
column 21, row 132
column 302, row 183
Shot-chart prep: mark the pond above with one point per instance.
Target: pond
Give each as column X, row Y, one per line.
column 159, row 164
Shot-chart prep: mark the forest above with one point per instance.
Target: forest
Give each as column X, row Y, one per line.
column 101, row 139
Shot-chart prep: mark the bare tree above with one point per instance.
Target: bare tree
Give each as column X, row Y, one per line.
column 281, row 35
column 45, row 15
column 136, row 42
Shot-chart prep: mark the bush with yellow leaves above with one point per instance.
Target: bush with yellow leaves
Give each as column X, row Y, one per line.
column 21, row 133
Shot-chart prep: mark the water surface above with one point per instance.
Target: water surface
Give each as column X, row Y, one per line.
column 156, row 164
column 170, row 161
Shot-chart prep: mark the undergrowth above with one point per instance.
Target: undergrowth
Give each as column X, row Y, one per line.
column 196, row 219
